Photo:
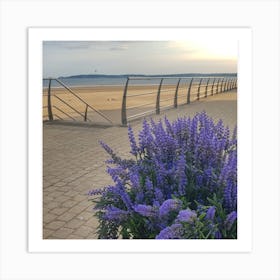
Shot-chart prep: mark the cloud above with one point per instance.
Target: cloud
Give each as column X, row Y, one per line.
column 62, row 58
column 118, row 48
column 71, row 45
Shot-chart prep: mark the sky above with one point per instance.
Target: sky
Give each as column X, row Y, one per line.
column 66, row 58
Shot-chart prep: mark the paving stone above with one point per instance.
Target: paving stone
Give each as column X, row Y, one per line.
column 79, row 197
column 83, row 231
column 85, row 215
column 60, row 199
column 69, row 203
column 58, row 211
column 55, row 225
column 49, row 217
column 78, row 208
column 92, row 222
column 62, row 233
column 47, row 233
column 50, row 189
column 92, row 236
column 47, row 198
column 73, row 236
column 67, row 216
column 56, row 194
column 60, row 183
column 86, row 202
column 52, row 205
column 74, row 223
column 64, row 189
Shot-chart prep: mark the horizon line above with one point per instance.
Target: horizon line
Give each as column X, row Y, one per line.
column 146, row 75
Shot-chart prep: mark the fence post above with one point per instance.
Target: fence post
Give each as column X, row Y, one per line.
column 225, row 85
column 176, row 94
column 222, row 85
column 189, row 92
column 198, row 90
column 213, row 86
column 85, row 117
column 49, row 102
column 228, row 84
column 206, row 87
column 217, row 88
column 124, row 117
column 232, row 83
column 221, row 88
column 158, row 98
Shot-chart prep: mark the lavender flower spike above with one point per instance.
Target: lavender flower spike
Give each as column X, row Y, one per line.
column 170, row 205
column 230, row 219
column 144, row 210
column 99, row 191
column 133, row 145
column 186, row 216
column 173, row 232
column 211, row 213
column 115, row 214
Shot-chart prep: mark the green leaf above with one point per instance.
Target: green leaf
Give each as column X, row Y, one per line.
column 201, row 216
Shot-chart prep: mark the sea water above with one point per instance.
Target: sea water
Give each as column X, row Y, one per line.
column 119, row 81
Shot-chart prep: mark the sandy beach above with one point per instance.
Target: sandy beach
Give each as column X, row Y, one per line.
column 108, row 100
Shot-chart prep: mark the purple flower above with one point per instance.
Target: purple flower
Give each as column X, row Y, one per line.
column 97, row 191
column 170, row 205
column 140, row 197
column 149, row 185
column 231, row 218
column 181, row 161
column 186, row 216
column 175, row 231
column 230, row 195
column 218, row 235
column 211, row 213
column 144, row 210
column 117, row 173
column 146, row 142
column 159, row 198
column 134, row 179
column 115, row 214
column 181, row 174
column 133, row 145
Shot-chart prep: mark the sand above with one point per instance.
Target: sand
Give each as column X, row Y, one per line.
column 108, row 101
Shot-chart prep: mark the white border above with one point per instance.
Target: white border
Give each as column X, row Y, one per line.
column 262, row 262
column 244, row 241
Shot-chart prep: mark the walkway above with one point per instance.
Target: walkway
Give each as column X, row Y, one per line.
column 74, row 164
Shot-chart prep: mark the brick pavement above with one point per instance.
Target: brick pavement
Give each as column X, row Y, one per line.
column 73, row 164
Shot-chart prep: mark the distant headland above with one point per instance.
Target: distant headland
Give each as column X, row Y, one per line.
column 144, row 75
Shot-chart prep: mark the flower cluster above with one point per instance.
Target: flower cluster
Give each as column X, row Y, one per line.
column 182, row 183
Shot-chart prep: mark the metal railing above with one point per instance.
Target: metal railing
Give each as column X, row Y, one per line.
column 192, row 86
column 84, row 114
column 149, row 95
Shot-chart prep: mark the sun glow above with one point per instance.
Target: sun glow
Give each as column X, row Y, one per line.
column 207, row 49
